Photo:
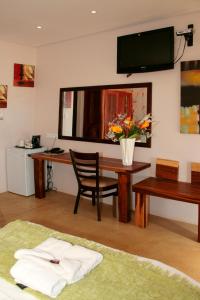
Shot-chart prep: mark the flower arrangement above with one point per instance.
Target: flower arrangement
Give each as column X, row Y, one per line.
column 124, row 126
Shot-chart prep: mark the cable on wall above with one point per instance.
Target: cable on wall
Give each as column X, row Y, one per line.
column 188, row 35
column 49, row 176
column 182, row 53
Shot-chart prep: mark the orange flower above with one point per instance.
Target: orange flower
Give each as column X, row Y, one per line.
column 116, row 129
column 128, row 119
column 128, row 122
column 145, row 124
column 124, row 126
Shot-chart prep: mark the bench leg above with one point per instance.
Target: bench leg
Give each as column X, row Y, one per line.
column 198, row 239
column 141, row 210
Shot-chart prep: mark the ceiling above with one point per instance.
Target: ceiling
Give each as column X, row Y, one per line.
column 69, row 19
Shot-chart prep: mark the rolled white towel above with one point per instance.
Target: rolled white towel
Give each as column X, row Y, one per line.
column 54, row 246
column 70, row 269
column 25, row 253
column 66, row 268
column 50, row 249
column 73, row 262
column 38, row 277
column 89, row 259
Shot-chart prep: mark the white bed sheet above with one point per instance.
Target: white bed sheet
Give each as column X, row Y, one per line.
column 11, row 292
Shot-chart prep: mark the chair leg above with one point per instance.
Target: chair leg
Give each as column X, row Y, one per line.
column 115, row 207
column 77, row 202
column 98, row 208
column 93, row 198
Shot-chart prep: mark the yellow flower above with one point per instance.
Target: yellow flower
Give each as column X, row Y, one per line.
column 116, row 129
column 145, row 124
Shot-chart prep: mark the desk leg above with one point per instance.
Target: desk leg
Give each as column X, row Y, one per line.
column 39, row 178
column 141, row 210
column 124, row 196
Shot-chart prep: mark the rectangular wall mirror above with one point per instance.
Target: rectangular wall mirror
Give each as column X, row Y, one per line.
column 85, row 112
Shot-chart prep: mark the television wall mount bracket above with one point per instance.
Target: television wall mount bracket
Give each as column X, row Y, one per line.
column 188, row 34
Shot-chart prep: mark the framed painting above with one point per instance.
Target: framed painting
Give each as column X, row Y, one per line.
column 24, row 75
column 3, row 95
column 190, row 97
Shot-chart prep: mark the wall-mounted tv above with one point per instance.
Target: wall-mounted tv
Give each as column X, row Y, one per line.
column 146, row 51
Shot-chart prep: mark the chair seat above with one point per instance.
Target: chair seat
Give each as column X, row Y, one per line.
column 103, row 182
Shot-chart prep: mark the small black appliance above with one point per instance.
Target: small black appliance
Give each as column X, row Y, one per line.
column 36, row 141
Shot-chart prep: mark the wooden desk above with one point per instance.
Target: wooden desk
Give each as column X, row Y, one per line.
column 105, row 163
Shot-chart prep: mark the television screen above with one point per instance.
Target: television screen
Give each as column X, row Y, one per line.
column 146, row 51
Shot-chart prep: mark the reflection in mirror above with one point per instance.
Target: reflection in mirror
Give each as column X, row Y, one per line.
column 86, row 111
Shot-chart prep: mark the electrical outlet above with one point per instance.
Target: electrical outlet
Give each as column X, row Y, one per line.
column 52, row 135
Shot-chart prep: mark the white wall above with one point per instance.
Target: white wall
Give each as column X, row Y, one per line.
column 92, row 61
column 18, row 122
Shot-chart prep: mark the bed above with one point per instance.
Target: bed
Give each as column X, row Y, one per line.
column 120, row 276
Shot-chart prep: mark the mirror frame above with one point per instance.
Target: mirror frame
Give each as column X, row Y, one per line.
column 147, row 85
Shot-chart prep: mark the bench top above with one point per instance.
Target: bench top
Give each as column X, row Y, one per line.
column 177, row 190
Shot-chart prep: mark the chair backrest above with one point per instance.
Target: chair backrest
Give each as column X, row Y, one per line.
column 195, row 173
column 86, row 165
column 167, row 169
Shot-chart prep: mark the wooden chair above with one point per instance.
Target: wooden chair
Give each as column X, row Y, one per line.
column 90, row 183
column 195, row 173
column 195, row 181
column 167, row 169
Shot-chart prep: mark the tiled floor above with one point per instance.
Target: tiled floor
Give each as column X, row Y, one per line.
column 171, row 242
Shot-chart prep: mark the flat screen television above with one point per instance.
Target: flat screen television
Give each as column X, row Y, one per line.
column 146, row 51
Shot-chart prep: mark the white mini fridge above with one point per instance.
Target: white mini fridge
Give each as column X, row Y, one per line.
column 20, row 170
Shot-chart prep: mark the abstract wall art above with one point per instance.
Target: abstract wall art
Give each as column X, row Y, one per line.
column 3, row 95
column 190, row 97
column 24, row 75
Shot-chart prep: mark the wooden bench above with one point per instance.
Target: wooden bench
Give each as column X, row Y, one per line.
column 166, row 185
